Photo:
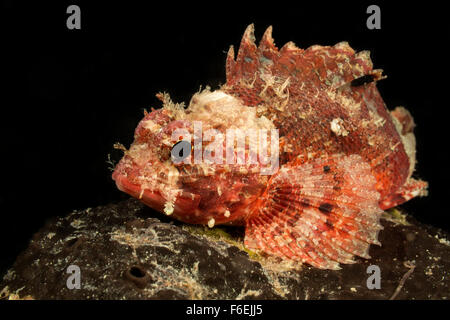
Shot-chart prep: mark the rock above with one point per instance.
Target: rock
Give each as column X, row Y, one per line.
column 128, row 251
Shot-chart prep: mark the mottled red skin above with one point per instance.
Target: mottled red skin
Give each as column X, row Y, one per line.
column 302, row 104
column 308, row 68
column 233, row 183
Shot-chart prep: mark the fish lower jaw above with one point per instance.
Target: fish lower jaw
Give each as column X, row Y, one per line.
column 181, row 208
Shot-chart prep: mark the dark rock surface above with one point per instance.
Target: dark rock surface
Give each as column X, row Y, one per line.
column 128, row 251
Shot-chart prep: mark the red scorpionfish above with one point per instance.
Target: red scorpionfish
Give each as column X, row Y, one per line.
column 339, row 156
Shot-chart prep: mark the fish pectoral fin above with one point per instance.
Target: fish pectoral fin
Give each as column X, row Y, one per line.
column 322, row 213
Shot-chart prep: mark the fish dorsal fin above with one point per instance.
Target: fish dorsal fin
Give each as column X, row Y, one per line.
column 322, row 213
column 261, row 69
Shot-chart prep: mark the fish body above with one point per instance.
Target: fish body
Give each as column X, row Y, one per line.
column 320, row 156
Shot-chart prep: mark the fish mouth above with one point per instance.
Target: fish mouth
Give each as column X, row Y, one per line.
column 186, row 203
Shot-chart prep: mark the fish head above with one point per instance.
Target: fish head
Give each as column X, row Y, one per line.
column 146, row 170
column 178, row 163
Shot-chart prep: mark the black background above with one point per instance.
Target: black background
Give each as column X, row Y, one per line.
column 68, row 95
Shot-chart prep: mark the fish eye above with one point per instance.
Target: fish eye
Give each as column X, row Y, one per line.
column 180, row 151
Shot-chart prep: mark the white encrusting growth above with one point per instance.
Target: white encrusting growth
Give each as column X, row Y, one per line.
column 168, row 208
column 217, row 108
column 150, row 125
column 337, row 126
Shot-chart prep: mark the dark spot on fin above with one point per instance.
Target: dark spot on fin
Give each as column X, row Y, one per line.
column 368, row 78
column 374, row 75
column 326, row 169
column 305, row 203
column 325, row 208
column 329, row 224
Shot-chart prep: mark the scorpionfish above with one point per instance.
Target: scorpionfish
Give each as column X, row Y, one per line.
column 315, row 187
